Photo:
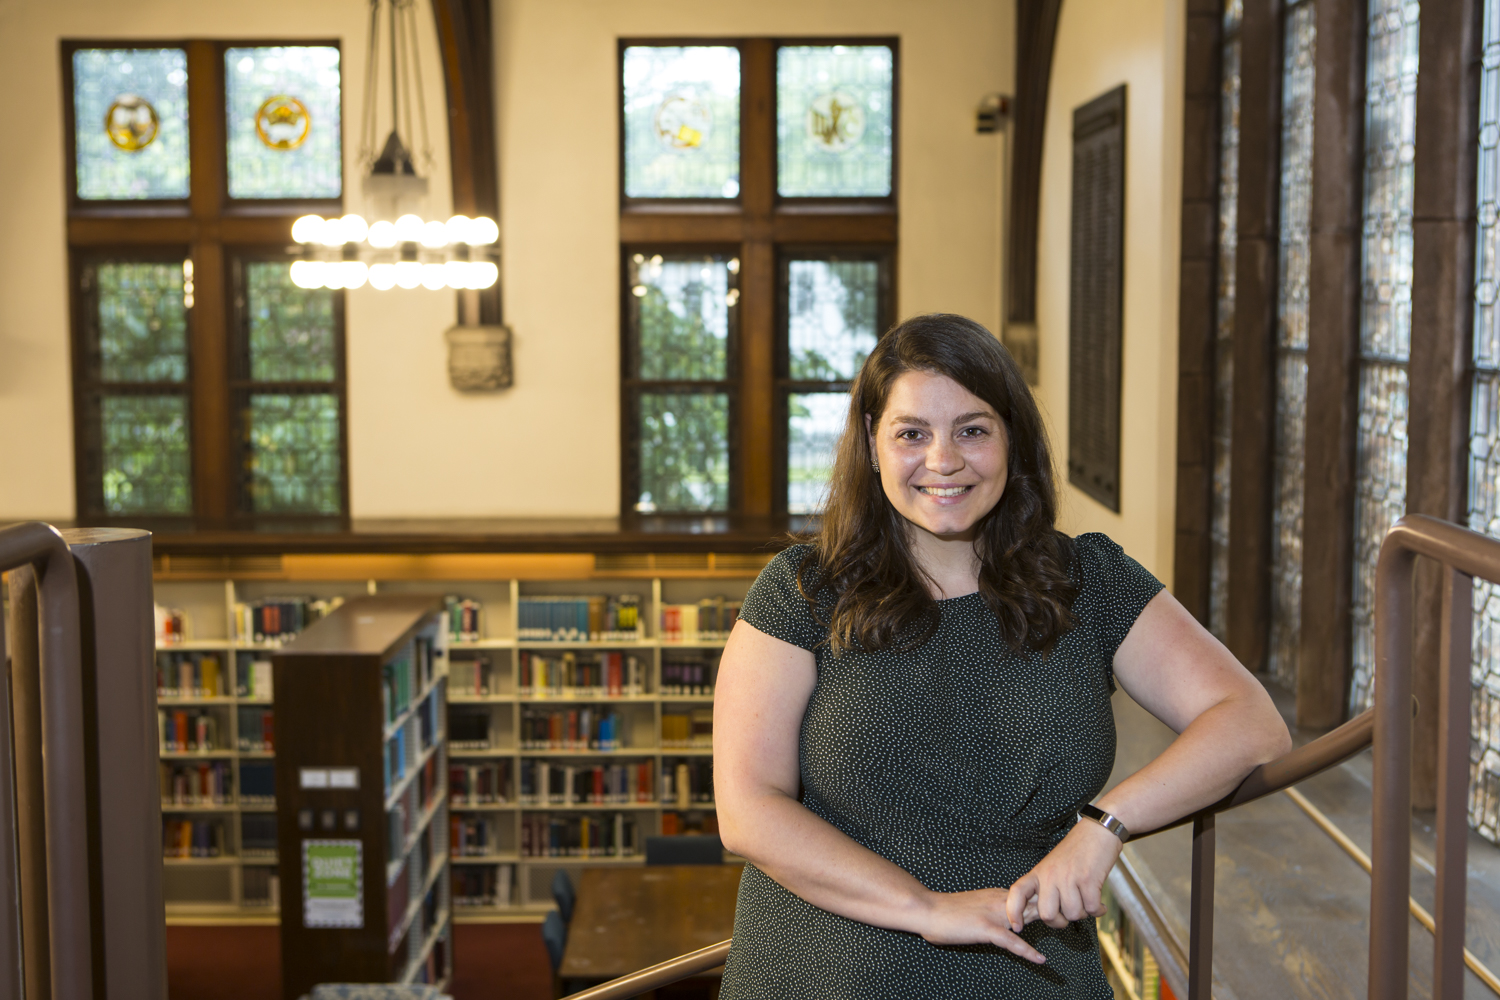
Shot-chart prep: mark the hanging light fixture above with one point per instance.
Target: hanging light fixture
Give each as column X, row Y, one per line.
column 403, row 251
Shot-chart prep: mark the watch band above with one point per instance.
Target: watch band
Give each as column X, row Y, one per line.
column 1104, row 819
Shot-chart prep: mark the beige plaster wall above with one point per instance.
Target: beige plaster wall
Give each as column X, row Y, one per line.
column 1101, row 44
column 549, row 446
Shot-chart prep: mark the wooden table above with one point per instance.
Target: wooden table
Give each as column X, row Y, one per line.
column 628, row 918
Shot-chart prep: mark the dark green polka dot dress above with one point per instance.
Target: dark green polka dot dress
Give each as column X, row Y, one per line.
column 961, row 761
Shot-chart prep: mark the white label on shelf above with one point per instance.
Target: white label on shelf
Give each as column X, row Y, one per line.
column 313, row 777
column 343, row 777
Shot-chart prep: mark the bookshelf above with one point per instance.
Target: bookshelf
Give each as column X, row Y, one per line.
column 495, row 878
column 362, row 803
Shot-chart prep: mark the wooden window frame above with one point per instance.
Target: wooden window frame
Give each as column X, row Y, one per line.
column 759, row 223
column 214, row 228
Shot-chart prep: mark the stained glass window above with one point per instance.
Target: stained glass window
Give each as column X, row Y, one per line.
column 682, row 121
column 1229, row 204
column 684, row 452
column 283, row 120
column 1300, row 34
column 130, row 122
column 684, row 312
column 835, row 120
column 145, row 455
column 681, row 335
column 134, row 385
column 293, row 331
column 293, row 447
column 833, row 316
column 142, row 322
column 1385, row 310
column 288, row 364
column 1484, row 442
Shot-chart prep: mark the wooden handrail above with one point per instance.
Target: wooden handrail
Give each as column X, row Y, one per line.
column 1465, row 555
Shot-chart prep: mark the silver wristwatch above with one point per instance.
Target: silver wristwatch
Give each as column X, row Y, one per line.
column 1104, row 819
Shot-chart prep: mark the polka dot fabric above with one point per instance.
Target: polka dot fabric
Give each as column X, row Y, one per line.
column 961, row 761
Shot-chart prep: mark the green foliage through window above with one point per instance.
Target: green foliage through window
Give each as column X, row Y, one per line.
column 293, row 454
column 145, row 455
column 293, row 331
column 684, row 452
column 142, row 322
column 683, row 315
column 832, row 317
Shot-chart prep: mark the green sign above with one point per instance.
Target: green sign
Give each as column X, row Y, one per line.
column 332, row 886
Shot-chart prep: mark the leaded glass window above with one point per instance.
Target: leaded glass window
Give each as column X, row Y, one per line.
column 1385, row 311
column 835, row 120
column 288, row 379
column 680, row 319
column 681, row 121
column 1229, row 204
column 130, row 124
column 833, row 310
column 1300, row 40
column 134, row 432
column 283, row 125
column 1484, row 442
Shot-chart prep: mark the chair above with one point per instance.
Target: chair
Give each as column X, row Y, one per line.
column 685, row 850
column 564, row 895
column 555, row 937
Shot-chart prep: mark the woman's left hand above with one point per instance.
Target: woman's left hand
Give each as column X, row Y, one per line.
column 1067, row 884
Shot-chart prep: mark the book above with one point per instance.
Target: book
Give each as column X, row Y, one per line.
column 461, row 615
column 587, row 727
column 581, row 675
column 681, row 676
column 205, row 784
column 602, row 835
column 709, row 620
column 190, row 675
column 274, row 620
column 595, row 618
column 688, row 729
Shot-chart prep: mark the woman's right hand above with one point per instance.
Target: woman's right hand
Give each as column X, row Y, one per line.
column 976, row 917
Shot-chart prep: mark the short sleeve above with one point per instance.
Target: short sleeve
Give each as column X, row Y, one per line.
column 1115, row 590
column 776, row 607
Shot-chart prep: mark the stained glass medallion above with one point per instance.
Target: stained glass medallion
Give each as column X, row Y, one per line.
column 682, row 121
column 130, row 122
column 283, row 122
column 835, row 115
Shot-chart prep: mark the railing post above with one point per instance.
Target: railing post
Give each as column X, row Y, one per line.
column 1455, row 687
column 114, row 583
column 1390, row 853
column 31, row 826
column 1201, row 911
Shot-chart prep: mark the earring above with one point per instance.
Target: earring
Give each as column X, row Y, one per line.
column 875, row 464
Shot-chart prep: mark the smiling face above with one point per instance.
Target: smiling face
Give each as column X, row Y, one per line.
column 942, row 453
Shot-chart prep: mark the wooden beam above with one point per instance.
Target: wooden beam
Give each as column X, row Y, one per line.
column 1257, row 253
column 208, row 355
column 1197, row 304
column 465, row 40
column 757, row 277
column 1332, row 363
column 1442, row 320
column 1036, row 32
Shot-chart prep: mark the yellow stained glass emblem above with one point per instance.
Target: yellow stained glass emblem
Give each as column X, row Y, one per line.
column 131, row 123
column 683, row 122
column 283, row 122
column 835, row 121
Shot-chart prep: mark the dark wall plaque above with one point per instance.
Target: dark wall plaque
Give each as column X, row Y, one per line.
column 1095, row 297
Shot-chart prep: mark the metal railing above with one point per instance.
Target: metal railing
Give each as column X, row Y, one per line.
column 1464, row 554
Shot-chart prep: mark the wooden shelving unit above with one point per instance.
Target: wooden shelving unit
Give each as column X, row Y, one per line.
column 199, row 892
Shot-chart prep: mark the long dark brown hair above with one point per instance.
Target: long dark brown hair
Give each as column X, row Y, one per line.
column 860, row 576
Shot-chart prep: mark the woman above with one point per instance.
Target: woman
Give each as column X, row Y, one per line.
column 915, row 706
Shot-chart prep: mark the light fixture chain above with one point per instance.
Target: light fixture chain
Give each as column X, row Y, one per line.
column 368, row 132
column 411, row 17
